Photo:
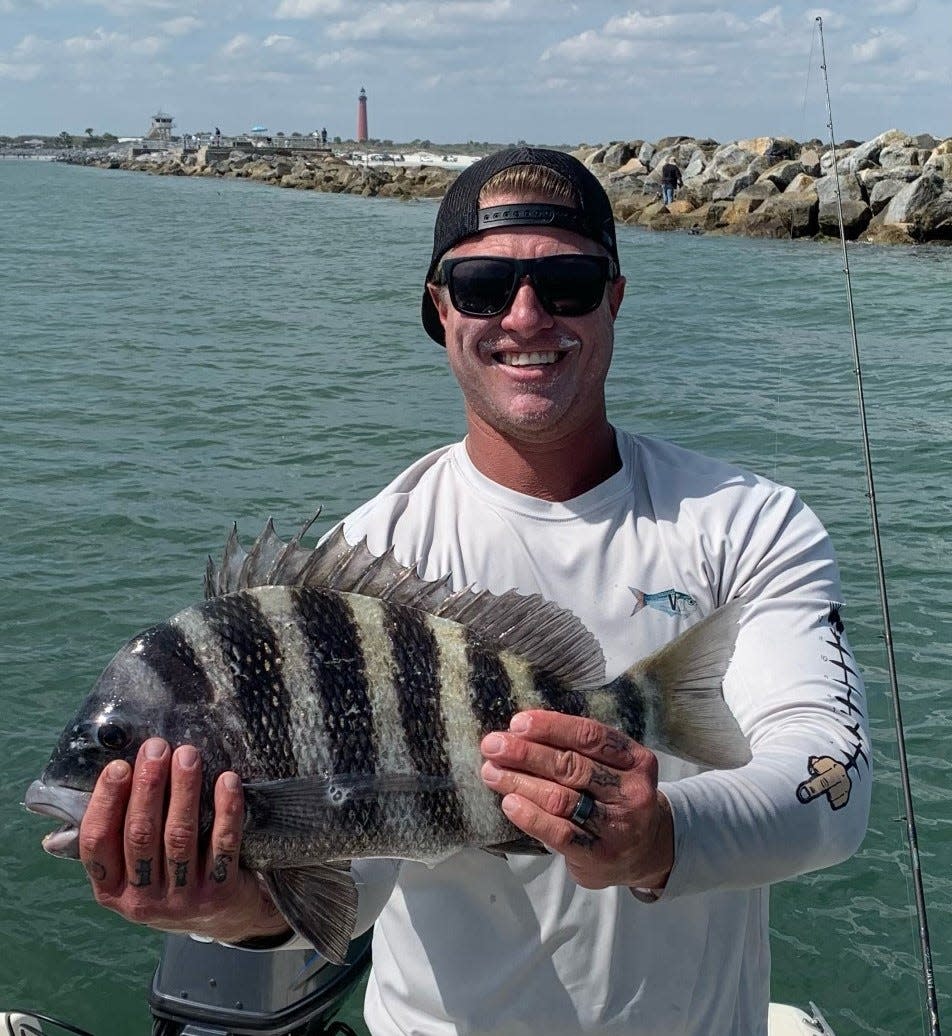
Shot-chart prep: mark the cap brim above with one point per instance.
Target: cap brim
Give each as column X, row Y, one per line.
column 431, row 319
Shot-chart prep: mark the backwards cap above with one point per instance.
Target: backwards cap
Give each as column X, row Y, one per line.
column 460, row 216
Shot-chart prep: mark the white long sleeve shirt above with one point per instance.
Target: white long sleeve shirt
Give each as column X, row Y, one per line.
column 481, row 945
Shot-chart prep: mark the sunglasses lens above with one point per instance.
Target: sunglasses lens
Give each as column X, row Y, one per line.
column 566, row 285
column 570, row 285
column 482, row 287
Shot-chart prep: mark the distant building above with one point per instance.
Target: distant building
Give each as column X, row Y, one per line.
column 161, row 128
column 362, row 116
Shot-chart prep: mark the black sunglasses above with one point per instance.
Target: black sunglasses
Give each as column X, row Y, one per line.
column 566, row 285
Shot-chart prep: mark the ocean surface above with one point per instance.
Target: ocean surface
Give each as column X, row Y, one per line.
column 180, row 354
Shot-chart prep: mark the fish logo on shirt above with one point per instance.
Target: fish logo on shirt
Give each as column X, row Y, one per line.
column 669, row 602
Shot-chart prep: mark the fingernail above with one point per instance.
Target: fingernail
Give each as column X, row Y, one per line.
column 491, row 773
column 117, row 771
column 154, row 748
column 232, row 783
column 493, row 744
column 187, row 757
column 519, row 723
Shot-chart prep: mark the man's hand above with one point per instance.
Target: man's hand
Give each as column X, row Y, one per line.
column 545, row 762
column 145, row 863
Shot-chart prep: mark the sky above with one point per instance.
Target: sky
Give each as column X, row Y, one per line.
column 453, row 71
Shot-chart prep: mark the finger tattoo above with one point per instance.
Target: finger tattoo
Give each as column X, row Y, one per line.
column 220, row 867
column 605, row 778
column 143, row 877
column 96, row 870
column 181, row 873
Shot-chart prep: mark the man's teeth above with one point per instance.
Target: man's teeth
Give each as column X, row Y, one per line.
column 528, row 359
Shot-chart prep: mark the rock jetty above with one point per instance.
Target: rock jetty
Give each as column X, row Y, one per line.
column 893, row 189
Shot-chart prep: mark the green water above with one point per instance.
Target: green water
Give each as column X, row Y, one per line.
column 179, row 354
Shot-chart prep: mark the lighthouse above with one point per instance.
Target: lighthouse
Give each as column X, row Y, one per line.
column 362, row 116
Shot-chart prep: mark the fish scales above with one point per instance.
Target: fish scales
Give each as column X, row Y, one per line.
column 416, row 656
column 334, row 637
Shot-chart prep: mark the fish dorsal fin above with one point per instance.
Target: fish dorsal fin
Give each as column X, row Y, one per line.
column 548, row 637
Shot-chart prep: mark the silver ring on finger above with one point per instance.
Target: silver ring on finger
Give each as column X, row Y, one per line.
column 584, row 809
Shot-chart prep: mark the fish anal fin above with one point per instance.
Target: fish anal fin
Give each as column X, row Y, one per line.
column 320, row 904
column 524, row 846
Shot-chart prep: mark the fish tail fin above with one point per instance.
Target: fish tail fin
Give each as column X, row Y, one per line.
column 639, row 599
column 692, row 719
column 319, row 902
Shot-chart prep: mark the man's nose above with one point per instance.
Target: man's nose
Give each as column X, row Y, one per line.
column 526, row 313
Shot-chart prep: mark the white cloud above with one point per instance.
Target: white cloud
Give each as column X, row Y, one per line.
column 100, row 41
column 881, row 45
column 238, row 45
column 894, row 7
column 181, row 26
column 279, row 42
column 310, row 8
column 23, row 73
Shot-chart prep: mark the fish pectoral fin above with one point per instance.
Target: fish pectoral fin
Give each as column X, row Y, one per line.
column 320, row 904
column 298, row 805
column 524, row 846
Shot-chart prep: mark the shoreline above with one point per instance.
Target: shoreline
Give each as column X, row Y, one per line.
column 893, row 189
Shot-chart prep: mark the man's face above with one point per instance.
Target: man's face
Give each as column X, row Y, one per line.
column 528, row 375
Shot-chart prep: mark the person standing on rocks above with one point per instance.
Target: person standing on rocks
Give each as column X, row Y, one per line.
column 670, row 180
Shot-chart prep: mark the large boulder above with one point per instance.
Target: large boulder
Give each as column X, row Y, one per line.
column 774, row 149
column 868, row 154
column 914, row 197
column 617, row 155
column 729, row 190
column 883, row 193
column 730, row 160
column 783, row 173
column 895, row 156
column 789, row 215
column 856, row 217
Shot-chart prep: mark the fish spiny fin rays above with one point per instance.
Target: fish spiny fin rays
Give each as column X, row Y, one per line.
column 693, row 719
column 549, row 638
column 320, row 903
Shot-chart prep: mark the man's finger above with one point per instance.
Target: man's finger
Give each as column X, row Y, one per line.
column 101, row 832
column 143, row 830
column 182, row 868
column 580, row 734
column 226, row 831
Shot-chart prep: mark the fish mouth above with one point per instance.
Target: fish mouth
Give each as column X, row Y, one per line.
column 66, row 804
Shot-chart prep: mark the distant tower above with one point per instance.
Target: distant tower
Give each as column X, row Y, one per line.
column 362, row 116
column 161, row 128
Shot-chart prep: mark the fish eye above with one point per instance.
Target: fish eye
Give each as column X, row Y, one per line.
column 113, row 737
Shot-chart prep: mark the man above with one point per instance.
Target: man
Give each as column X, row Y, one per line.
column 670, row 180
column 651, row 914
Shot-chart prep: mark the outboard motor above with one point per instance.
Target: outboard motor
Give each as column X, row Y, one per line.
column 207, row 989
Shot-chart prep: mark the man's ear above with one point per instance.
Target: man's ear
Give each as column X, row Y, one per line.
column 616, row 292
column 441, row 300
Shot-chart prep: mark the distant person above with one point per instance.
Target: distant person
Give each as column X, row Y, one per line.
column 217, row 136
column 670, row 180
column 323, row 136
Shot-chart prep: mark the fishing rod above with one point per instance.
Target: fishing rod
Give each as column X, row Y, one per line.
column 910, row 819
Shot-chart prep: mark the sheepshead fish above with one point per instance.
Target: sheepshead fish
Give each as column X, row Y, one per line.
column 351, row 697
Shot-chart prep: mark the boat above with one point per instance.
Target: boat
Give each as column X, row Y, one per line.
column 206, row 989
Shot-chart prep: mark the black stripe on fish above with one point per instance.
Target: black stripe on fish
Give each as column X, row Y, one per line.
column 629, row 701
column 490, row 687
column 166, row 651
column 416, row 681
column 340, row 680
column 558, row 696
column 251, row 650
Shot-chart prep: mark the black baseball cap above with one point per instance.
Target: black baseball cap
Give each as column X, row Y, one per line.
column 460, row 216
